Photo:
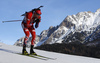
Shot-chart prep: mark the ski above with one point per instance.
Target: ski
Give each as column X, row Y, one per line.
column 33, row 56
column 38, row 57
column 45, row 57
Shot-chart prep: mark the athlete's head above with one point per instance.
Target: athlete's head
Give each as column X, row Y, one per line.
column 37, row 13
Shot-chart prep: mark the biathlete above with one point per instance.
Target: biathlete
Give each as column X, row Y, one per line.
column 32, row 17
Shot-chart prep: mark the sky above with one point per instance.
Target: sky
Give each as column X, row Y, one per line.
column 53, row 13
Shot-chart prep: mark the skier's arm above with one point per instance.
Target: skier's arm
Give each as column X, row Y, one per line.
column 28, row 18
column 37, row 22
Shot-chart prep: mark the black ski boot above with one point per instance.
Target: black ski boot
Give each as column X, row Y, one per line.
column 32, row 51
column 24, row 50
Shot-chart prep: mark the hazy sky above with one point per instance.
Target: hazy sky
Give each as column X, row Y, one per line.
column 53, row 13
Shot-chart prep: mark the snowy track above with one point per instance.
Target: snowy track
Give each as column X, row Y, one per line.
column 7, row 55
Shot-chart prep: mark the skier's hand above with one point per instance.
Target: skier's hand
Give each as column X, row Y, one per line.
column 36, row 25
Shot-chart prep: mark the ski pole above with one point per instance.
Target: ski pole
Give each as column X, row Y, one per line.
column 11, row 21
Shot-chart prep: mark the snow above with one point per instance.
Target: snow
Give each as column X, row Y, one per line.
column 40, row 43
column 7, row 55
column 64, row 35
column 85, row 21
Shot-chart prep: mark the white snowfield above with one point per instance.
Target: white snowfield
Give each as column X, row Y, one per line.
column 7, row 55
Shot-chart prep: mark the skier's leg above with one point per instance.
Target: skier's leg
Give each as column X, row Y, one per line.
column 32, row 41
column 33, row 33
column 26, row 31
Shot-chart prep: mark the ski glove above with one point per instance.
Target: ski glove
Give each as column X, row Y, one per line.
column 37, row 23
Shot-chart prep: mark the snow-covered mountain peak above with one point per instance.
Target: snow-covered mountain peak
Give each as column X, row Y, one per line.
column 50, row 27
column 98, row 10
column 80, row 18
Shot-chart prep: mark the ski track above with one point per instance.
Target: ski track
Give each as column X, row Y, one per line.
column 7, row 55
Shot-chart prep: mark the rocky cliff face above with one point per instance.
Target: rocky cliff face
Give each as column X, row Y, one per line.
column 81, row 28
column 87, row 25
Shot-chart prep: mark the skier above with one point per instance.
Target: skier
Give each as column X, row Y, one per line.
column 32, row 17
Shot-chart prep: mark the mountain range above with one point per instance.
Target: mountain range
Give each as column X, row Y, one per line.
column 82, row 28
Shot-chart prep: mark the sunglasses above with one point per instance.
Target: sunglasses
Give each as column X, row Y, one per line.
column 38, row 14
